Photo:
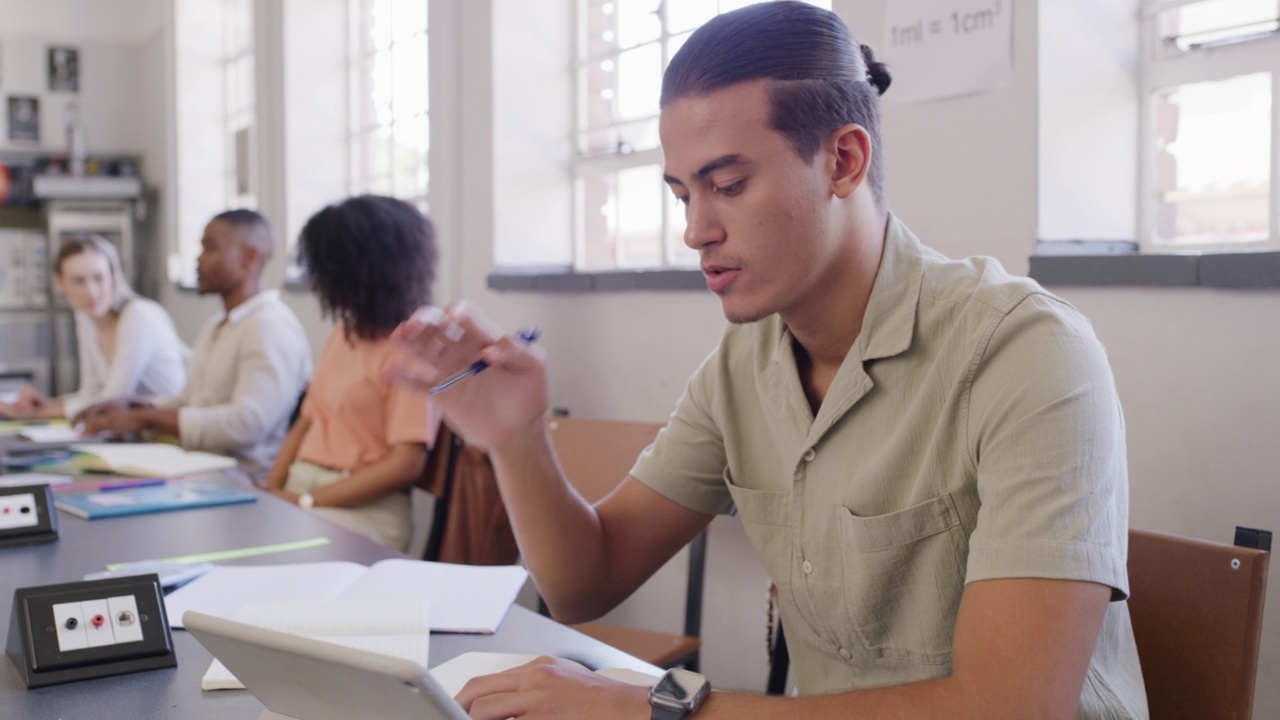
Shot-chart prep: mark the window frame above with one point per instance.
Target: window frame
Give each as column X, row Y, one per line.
column 586, row 166
column 361, row 56
column 1158, row 70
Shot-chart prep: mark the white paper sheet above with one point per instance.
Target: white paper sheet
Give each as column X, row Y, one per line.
column 51, row 434
column 463, row 598
column 155, row 459
column 32, row 478
column 946, row 48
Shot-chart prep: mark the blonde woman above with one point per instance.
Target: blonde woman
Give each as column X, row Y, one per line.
column 127, row 344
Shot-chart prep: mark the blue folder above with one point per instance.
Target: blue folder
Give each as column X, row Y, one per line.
column 151, row 499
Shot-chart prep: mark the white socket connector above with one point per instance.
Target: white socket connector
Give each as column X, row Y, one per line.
column 18, row 511
column 96, row 623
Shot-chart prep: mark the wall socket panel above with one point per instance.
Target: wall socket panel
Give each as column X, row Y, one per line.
column 91, row 629
column 27, row 515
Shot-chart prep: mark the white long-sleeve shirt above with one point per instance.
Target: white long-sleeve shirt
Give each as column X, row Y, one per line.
column 149, row 361
column 248, row 370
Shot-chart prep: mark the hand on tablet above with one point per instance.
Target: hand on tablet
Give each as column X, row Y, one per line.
column 548, row 688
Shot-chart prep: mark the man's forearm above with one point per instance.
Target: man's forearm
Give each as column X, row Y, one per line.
column 559, row 534
column 938, row 698
column 158, row 420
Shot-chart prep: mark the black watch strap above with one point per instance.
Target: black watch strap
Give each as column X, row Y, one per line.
column 657, row 713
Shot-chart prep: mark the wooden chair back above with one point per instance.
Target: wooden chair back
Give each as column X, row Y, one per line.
column 596, row 456
column 1196, row 608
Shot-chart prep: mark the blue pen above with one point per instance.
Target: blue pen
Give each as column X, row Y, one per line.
column 528, row 335
column 126, row 484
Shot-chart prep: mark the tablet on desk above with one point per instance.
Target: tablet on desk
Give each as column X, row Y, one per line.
column 305, row 679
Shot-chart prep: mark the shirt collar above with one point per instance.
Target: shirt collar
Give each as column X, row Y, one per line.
column 888, row 323
column 890, row 319
column 250, row 306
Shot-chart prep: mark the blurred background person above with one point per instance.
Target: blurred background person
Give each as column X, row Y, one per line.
column 127, row 345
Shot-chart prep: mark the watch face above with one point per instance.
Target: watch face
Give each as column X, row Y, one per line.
column 679, row 690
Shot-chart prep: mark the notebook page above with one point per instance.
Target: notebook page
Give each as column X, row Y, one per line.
column 155, row 459
column 463, row 598
column 387, row 617
column 223, row 590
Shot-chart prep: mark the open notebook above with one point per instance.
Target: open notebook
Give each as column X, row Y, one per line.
column 140, row 460
column 463, row 598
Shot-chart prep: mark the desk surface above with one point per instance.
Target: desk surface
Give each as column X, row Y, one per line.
column 87, row 546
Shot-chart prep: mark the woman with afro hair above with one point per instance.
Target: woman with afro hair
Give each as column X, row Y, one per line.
column 361, row 441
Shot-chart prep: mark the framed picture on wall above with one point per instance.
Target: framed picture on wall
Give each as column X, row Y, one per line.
column 64, row 68
column 24, row 118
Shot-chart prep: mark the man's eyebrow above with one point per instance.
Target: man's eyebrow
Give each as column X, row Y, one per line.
column 721, row 162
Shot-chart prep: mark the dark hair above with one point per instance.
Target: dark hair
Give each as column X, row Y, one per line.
column 372, row 260
column 254, row 229
column 822, row 79
column 245, row 219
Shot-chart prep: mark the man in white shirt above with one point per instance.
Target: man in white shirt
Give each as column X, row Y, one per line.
column 251, row 361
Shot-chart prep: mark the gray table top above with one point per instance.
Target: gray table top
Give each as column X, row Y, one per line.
column 86, row 546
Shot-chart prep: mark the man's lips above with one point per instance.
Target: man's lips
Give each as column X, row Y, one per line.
column 719, row 277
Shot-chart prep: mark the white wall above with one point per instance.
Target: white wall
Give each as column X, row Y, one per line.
column 112, row 41
column 1088, row 142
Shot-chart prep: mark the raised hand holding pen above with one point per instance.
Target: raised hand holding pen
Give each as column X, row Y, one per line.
column 505, row 403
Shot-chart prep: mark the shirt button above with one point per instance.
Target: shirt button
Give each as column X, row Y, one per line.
column 809, row 455
column 808, row 567
column 846, row 654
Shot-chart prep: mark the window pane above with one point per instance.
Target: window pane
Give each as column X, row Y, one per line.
column 411, row 157
column 599, row 221
column 381, row 88
column 1213, row 160
column 381, row 23
column 598, row 78
column 639, row 217
column 681, row 255
column 626, row 138
column 638, row 22
column 689, row 14
column 409, row 19
column 639, row 82
column 409, row 77
column 1217, row 22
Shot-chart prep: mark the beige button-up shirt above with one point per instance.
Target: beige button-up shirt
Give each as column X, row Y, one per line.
column 973, row 432
column 248, row 368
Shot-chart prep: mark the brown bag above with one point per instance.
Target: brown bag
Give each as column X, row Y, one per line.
column 471, row 526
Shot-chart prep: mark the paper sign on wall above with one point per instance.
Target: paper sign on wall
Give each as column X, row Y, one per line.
column 945, row 48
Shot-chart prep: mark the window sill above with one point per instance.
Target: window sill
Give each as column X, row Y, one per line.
column 1112, row 264
column 557, row 279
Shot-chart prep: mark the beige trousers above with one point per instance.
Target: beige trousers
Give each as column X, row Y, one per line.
column 386, row 520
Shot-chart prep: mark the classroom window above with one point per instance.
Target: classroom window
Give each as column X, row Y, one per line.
column 626, row 216
column 238, row 80
column 1210, row 83
column 214, row 121
column 389, row 120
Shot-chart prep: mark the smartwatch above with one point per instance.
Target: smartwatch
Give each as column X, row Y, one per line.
column 305, row 500
column 677, row 695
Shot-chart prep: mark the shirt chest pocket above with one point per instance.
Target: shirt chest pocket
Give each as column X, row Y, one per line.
column 766, row 518
column 904, row 574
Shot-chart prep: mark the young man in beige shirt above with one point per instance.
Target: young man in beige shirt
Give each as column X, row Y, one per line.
column 928, row 455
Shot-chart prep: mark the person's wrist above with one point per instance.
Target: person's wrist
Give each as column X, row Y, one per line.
column 523, row 441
